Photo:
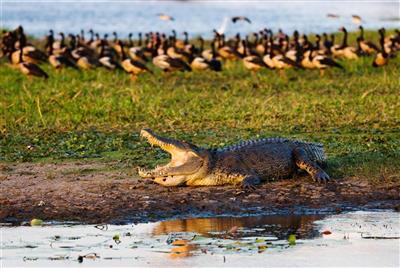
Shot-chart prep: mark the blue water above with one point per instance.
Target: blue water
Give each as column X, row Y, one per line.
column 196, row 17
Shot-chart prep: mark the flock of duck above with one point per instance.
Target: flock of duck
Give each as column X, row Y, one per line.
column 263, row 49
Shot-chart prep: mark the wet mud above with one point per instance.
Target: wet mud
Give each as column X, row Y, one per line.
column 93, row 192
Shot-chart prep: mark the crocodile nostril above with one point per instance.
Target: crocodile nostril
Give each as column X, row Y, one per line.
column 164, row 179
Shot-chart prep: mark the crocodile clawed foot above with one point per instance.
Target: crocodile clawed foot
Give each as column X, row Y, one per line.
column 249, row 183
column 248, row 187
column 321, row 177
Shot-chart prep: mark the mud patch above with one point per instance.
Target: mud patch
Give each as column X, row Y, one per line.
column 95, row 192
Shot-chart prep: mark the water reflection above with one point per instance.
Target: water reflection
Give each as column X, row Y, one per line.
column 279, row 226
column 350, row 239
column 182, row 249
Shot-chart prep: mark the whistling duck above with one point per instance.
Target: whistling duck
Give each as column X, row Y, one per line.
column 396, row 39
column 318, row 48
column 226, row 52
column 30, row 69
column 188, row 48
column 295, row 53
column 116, row 45
column 252, row 62
column 391, row 42
column 366, row 47
column 168, row 64
column 382, row 57
column 175, row 42
column 322, row 62
column 96, row 43
column 356, row 19
column 29, row 52
column 20, row 40
column 107, row 60
column 177, row 53
column 165, row 17
column 78, row 49
column 200, row 63
column 82, row 37
column 49, row 41
column 205, row 53
column 131, row 66
column 344, row 50
column 59, row 46
column 85, row 63
column 82, row 55
column 137, row 52
column 91, row 40
column 58, row 61
column 267, row 58
column 239, row 47
column 260, row 38
column 214, row 62
column 305, row 43
column 328, row 43
column 332, row 16
column 7, row 42
column 279, row 62
column 307, row 60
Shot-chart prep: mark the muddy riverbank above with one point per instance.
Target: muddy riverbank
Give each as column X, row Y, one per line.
column 94, row 192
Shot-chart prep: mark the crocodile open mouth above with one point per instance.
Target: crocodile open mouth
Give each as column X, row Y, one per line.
column 184, row 160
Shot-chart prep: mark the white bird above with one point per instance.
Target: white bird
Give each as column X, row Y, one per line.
column 223, row 26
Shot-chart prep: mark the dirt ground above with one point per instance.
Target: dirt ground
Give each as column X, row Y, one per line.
column 94, row 192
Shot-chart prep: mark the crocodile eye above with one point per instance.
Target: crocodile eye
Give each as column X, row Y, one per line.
column 164, row 179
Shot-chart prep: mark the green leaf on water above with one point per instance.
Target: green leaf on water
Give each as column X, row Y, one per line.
column 116, row 237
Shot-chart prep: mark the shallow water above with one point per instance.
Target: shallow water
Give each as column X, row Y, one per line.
column 354, row 239
column 196, row 17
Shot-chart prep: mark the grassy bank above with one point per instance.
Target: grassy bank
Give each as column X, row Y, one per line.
column 354, row 112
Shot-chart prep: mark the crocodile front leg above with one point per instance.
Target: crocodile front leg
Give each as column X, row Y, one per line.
column 249, row 182
column 305, row 163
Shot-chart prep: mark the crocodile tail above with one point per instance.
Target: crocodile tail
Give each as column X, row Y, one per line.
column 315, row 152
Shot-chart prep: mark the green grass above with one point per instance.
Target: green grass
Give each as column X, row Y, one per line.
column 355, row 113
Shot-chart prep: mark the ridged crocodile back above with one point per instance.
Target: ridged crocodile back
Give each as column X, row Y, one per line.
column 315, row 151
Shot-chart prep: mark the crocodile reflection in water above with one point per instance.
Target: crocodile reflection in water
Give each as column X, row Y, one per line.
column 279, row 226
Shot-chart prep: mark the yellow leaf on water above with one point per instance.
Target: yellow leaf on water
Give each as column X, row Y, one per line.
column 292, row 239
column 180, row 242
column 36, row 222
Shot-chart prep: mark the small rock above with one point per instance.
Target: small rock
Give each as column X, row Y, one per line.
column 254, row 196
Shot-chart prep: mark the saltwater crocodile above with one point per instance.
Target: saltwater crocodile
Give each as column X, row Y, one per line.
column 247, row 163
